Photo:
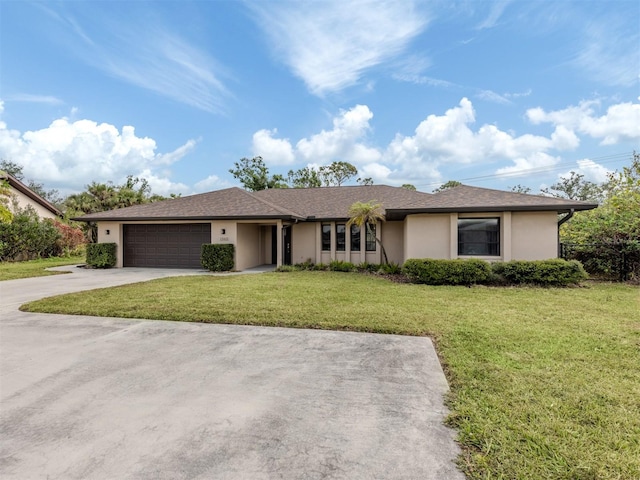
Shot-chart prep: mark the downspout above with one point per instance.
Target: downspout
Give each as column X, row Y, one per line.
column 563, row 220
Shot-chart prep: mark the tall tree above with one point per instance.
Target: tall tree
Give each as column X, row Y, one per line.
column 409, row 186
column 447, row 185
column 306, row 177
column 520, row 189
column 12, row 168
column 365, row 181
column 253, row 174
column 575, row 187
column 602, row 236
column 367, row 214
column 99, row 197
column 337, row 173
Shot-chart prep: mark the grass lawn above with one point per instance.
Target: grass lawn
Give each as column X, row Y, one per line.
column 545, row 383
column 35, row 268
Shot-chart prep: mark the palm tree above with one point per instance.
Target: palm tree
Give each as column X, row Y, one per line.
column 367, row 213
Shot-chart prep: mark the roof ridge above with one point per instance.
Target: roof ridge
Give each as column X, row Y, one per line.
column 510, row 192
column 280, row 208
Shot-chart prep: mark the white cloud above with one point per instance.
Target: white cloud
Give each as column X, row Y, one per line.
column 153, row 57
column 349, row 128
column 274, row 151
column 538, row 161
column 69, row 155
column 497, row 9
column 331, row 44
column 609, row 50
column 212, row 182
column 620, row 123
column 591, row 170
column 30, row 98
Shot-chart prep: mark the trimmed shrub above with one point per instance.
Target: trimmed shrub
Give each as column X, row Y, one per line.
column 217, row 257
column 447, row 272
column 288, row 268
column 553, row 272
column 341, row 266
column 101, row 255
column 368, row 267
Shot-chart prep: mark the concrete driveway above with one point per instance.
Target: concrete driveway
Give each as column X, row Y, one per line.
column 103, row 398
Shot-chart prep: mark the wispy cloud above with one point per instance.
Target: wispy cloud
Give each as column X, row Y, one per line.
column 497, row 9
column 29, row 98
column 154, row 57
column 609, row 51
column 330, row 45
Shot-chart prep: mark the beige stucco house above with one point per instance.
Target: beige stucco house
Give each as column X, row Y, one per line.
column 23, row 197
column 288, row 226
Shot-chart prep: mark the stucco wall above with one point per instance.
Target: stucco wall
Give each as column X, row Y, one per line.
column 393, row 241
column 534, row 235
column 23, row 202
column 114, row 236
column 427, row 236
column 248, row 246
column 304, row 242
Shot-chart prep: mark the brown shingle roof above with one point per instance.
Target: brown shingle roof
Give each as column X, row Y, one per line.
column 228, row 203
column 466, row 198
column 333, row 203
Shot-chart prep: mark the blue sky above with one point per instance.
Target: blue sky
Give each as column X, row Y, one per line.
column 493, row 94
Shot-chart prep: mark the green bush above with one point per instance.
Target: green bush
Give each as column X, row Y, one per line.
column 319, row 267
column 341, row 266
column 447, row 272
column 28, row 237
column 390, row 268
column 101, row 255
column 368, row 267
column 217, row 257
column 554, row 272
column 288, row 268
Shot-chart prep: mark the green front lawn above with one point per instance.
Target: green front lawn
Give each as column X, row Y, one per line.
column 35, row 268
column 545, row 383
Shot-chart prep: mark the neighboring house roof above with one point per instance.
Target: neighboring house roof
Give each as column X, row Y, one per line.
column 21, row 187
column 332, row 203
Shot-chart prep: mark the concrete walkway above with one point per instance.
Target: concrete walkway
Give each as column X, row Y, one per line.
column 101, row 398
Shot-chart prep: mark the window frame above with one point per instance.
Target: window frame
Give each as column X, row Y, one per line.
column 326, row 237
column 486, row 247
column 370, row 238
column 355, row 238
column 341, row 237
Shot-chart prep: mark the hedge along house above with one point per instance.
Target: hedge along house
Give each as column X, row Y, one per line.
column 288, row 226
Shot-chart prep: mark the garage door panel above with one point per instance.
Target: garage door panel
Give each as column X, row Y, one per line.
column 165, row 245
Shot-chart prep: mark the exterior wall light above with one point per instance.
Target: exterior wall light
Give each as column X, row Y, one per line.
column 223, row 231
column 108, row 232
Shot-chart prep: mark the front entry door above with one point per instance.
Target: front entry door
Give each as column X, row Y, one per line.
column 274, row 245
column 286, row 244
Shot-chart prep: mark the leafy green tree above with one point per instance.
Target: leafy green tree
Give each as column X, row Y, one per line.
column 408, row 186
column 337, row 173
column 253, row 174
column 575, row 187
column 602, row 236
column 304, row 178
column 447, row 185
column 367, row 214
column 100, row 197
column 365, row 181
column 27, row 237
column 12, row 169
column 520, row 189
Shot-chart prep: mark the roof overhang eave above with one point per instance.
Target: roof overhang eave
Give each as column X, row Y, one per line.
column 401, row 213
column 192, row 218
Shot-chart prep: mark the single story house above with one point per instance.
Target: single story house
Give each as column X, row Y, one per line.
column 24, row 197
column 288, row 226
